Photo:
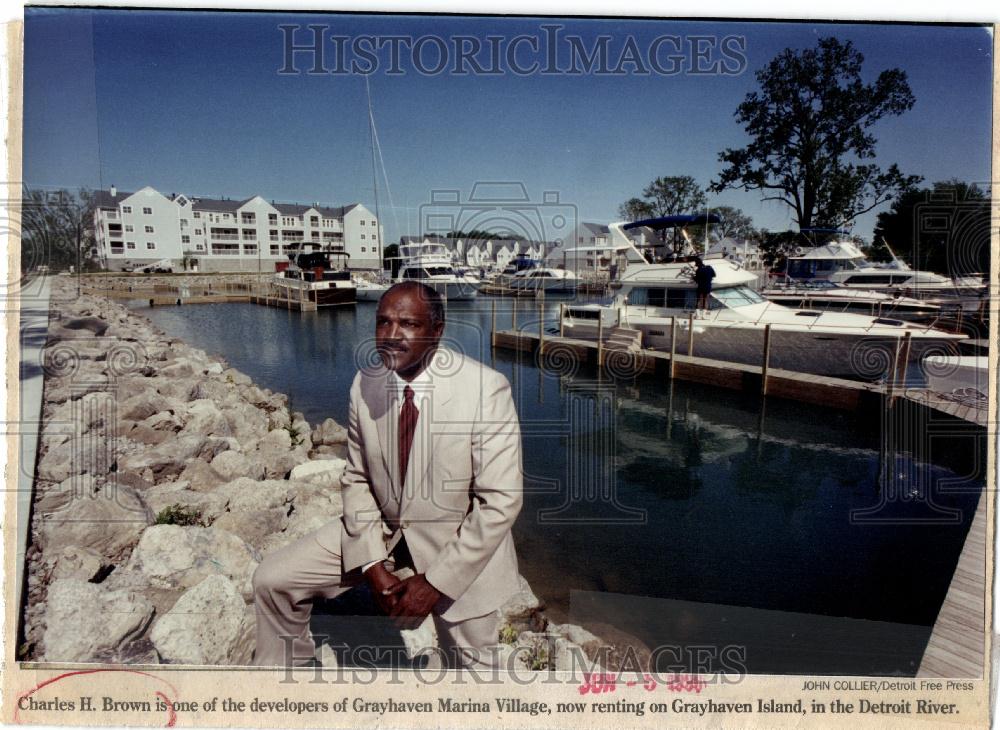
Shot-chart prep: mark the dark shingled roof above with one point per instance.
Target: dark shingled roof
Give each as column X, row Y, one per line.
column 103, row 199
column 596, row 228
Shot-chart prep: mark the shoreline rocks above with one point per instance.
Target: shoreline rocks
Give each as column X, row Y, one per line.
column 163, row 477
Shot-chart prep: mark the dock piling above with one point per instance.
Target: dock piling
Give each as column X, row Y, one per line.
column 673, row 345
column 493, row 323
column 690, row 351
column 600, row 342
column 767, row 359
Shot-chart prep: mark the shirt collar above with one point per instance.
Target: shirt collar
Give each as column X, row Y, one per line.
column 420, row 384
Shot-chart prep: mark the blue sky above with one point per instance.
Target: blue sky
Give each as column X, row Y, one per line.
column 193, row 102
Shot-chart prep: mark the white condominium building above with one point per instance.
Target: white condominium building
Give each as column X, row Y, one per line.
column 224, row 235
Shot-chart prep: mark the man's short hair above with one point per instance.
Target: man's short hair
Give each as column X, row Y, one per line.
column 427, row 294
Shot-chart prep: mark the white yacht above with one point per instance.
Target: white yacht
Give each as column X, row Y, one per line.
column 652, row 296
column 843, row 264
column 823, row 295
column 430, row 263
column 316, row 274
column 542, row 278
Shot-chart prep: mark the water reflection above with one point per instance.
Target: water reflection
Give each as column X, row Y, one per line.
column 678, row 492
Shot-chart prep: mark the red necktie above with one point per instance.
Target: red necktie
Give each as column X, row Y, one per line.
column 407, row 425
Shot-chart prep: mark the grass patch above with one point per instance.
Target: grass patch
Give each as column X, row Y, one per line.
column 177, row 514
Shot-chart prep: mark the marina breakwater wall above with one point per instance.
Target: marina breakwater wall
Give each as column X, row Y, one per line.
column 162, row 478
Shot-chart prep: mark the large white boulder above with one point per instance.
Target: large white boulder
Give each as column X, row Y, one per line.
column 205, row 626
column 173, row 557
column 82, row 619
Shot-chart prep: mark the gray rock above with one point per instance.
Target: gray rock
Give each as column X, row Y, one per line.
column 109, row 522
column 326, row 472
column 172, row 557
column 140, row 407
column 329, row 433
column 246, row 495
column 75, row 562
column 236, row 377
column 200, row 475
column 164, row 421
column 253, row 527
column 204, row 417
column 169, row 494
column 205, row 626
column 84, row 619
column 231, row 465
column 167, row 459
column 522, row 605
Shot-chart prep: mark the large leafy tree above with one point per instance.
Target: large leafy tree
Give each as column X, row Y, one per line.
column 672, row 195
column 811, row 144
column 943, row 228
column 56, row 228
column 635, row 209
column 733, row 223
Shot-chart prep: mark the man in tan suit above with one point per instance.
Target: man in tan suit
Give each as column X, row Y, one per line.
column 433, row 482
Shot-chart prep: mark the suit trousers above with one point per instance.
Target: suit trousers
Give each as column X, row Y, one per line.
column 287, row 582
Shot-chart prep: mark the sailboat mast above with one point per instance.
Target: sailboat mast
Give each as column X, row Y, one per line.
column 371, row 132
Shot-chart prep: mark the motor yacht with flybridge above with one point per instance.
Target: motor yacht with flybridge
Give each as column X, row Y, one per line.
column 316, row 273
column 654, row 297
column 430, row 264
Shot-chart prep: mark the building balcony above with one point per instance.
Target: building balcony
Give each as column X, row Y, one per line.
column 225, row 237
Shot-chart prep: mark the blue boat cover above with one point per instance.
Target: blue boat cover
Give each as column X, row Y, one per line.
column 672, row 221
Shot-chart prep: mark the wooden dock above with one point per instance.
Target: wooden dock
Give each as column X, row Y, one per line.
column 821, row 390
column 957, row 647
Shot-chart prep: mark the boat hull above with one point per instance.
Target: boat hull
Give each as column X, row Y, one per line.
column 862, row 357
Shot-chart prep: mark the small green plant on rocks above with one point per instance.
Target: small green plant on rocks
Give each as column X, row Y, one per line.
column 177, row 514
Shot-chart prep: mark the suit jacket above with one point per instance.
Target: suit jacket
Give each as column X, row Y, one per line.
column 463, row 486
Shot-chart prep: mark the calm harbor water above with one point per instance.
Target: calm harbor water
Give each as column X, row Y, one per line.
column 803, row 540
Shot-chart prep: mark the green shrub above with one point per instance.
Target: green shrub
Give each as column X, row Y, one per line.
column 177, row 514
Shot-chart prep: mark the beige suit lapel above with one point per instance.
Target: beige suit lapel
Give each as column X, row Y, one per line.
column 419, row 474
column 387, row 427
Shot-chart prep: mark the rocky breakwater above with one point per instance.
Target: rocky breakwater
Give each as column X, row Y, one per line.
column 163, row 477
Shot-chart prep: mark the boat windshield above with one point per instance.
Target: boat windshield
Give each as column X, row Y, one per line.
column 734, row 296
column 439, row 271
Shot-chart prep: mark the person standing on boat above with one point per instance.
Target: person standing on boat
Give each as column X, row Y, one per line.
column 703, row 276
column 433, row 483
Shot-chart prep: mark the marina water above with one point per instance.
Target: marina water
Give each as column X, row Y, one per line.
column 675, row 515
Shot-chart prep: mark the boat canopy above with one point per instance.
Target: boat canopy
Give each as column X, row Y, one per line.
column 839, row 250
column 672, row 221
column 835, row 231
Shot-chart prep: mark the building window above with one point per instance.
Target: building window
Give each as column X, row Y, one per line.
column 314, row 220
column 272, row 219
column 197, row 231
column 181, row 200
column 250, row 249
column 374, row 223
column 274, row 249
column 147, row 211
column 184, row 222
column 250, row 234
column 273, row 235
column 288, row 220
column 197, row 214
column 364, row 250
column 130, row 245
column 248, row 218
column 117, row 249
column 199, row 247
column 362, row 222
column 185, row 239
column 126, row 209
column 149, row 229
column 374, row 236
column 128, row 228
column 362, row 236
column 150, row 245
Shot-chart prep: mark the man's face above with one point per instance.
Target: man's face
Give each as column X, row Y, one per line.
column 404, row 332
